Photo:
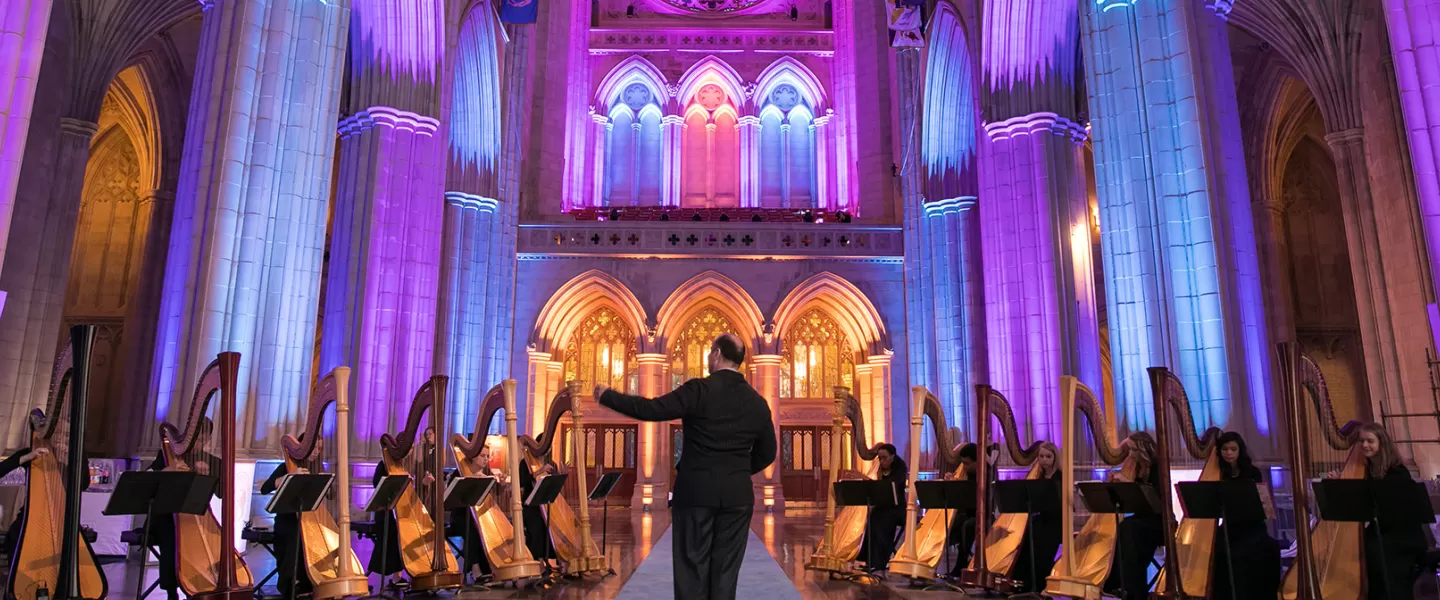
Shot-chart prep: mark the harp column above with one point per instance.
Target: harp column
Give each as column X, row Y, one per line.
column 380, row 310
column 247, row 239
column 767, row 382
column 1178, row 238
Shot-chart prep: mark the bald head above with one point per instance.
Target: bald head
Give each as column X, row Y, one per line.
column 726, row 352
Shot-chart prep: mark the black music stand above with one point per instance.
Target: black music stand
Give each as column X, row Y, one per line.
column 1029, row 497
column 153, row 493
column 872, row 495
column 1119, row 498
column 465, row 493
column 1235, row 499
column 386, row 496
column 602, row 492
column 949, row 495
column 299, row 493
column 1365, row 500
column 545, row 491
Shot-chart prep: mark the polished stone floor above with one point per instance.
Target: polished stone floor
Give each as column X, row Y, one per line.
column 789, row 539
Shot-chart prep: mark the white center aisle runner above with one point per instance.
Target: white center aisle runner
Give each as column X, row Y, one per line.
column 760, row 575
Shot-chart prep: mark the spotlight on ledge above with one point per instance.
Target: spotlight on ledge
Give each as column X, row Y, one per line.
column 840, row 215
column 754, row 218
column 614, row 214
column 808, row 216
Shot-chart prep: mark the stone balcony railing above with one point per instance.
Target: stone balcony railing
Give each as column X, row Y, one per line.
column 708, row 238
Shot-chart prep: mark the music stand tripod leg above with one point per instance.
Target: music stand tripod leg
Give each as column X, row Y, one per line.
column 605, row 534
column 384, row 549
column 294, row 564
column 145, row 549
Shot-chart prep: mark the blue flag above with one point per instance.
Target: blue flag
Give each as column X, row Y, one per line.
column 519, row 11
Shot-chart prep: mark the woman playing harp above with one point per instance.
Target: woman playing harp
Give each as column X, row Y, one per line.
column 1086, row 558
column 421, row 541
column 195, row 550
column 992, row 567
column 322, row 541
column 569, row 536
column 1188, row 566
column 37, row 535
column 494, row 545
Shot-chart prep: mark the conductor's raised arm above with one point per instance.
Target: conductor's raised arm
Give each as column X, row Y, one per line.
column 671, row 406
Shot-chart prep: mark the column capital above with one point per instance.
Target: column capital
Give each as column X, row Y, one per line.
column 537, row 356
column 881, row 359
column 650, row 358
column 748, row 120
column 599, row 119
column 672, row 120
column 151, row 196
column 1345, row 137
column 1221, row 8
column 78, row 127
column 766, row 359
column 463, row 200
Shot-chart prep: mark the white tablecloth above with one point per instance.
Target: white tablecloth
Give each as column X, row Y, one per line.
column 107, row 529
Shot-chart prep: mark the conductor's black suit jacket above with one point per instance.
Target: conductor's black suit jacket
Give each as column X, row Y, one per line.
column 729, row 436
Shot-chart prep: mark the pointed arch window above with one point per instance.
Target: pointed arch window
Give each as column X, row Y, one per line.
column 787, row 149
column 816, row 357
column 603, row 349
column 711, row 151
column 632, row 148
column 688, row 351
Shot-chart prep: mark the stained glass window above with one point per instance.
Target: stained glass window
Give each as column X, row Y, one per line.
column 689, row 349
column 817, row 357
column 602, row 350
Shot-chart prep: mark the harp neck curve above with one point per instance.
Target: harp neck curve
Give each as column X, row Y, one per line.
column 1198, row 445
column 856, row 417
column 398, row 446
column 1000, row 409
column 304, row 448
column 470, row 446
column 560, row 405
column 1337, row 436
column 177, row 442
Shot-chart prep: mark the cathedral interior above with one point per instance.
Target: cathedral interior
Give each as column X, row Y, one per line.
column 876, row 196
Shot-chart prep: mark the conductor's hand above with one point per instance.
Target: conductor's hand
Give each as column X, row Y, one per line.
column 600, row 391
column 1332, row 474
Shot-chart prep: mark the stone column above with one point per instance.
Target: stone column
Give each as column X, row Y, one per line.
column 672, row 128
column 248, row 234
column 599, row 152
column 500, row 312
column 36, row 272
column 382, row 298
column 823, row 167
column 771, row 495
column 785, row 163
column 879, row 421
column 538, row 384
column 749, row 126
column 23, row 27
column 649, row 485
column 636, row 139
column 1175, row 211
column 1412, row 25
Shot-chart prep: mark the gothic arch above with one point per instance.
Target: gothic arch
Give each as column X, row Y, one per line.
column 635, row 69
column 788, row 70
column 843, row 302
column 710, row 290
column 577, row 299
column 711, row 70
column 130, row 105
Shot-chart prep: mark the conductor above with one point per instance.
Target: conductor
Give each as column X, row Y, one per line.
column 729, row 436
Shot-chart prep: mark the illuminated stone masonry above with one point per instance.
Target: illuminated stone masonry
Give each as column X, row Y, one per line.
column 759, row 239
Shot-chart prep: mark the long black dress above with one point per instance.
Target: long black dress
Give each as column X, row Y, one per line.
column 1390, row 569
column 881, row 529
column 162, row 532
column 962, row 527
column 473, row 549
column 1256, row 555
column 1043, row 533
column 287, row 535
column 537, row 536
column 1137, row 539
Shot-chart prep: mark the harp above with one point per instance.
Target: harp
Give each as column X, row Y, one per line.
column 918, row 559
column 208, row 565
column 510, row 560
column 845, row 528
column 1190, row 545
column 991, row 567
column 51, row 555
column 427, row 560
column 1088, row 443
column 334, row 570
column 1329, row 561
column 574, row 545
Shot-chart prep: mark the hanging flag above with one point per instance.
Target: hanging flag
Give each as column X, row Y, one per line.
column 905, row 24
column 520, row 12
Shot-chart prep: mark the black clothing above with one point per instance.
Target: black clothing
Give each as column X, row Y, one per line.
column 962, row 525
column 709, row 547
column 1390, row 568
column 537, row 536
column 1043, row 533
column 1136, row 540
column 472, row 548
column 884, row 522
column 729, row 436
column 287, row 538
column 162, row 531
column 386, row 528
column 12, row 534
column 1256, row 554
